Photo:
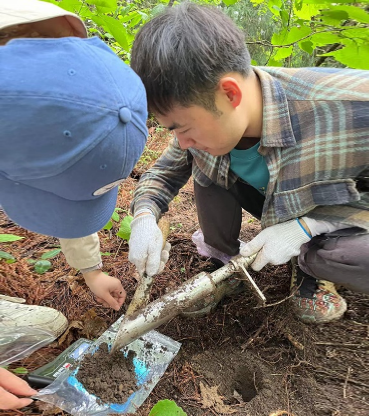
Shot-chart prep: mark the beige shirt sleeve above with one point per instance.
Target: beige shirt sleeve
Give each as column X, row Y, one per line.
column 81, row 253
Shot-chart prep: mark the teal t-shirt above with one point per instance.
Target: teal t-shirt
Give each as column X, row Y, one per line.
column 250, row 166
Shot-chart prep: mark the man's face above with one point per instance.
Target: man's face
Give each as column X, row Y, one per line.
column 201, row 129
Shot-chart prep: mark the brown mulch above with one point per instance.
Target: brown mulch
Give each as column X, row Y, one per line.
column 239, row 360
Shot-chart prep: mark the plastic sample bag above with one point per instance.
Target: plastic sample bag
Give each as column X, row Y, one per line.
column 19, row 342
column 150, row 364
column 208, row 251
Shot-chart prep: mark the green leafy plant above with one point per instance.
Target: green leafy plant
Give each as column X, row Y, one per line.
column 20, row 370
column 42, row 266
column 124, row 231
column 115, row 22
column 9, row 238
column 319, row 28
column 177, row 226
column 51, row 254
column 7, row 257
column 115, row 217
column 279, row 32
column 167, row 408
column 147, row 158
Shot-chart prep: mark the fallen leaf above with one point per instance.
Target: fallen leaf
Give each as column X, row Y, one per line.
column 93, row 325
column 237, row 396
column 73, row 324
column 211, row 399
column 90, row 314
column 48, row 409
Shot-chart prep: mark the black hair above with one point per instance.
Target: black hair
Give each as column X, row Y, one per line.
column 181, row 55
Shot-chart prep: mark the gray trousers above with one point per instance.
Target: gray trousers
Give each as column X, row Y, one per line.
column 341, row 257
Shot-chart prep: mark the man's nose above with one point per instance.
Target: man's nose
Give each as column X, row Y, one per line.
column 185, row 143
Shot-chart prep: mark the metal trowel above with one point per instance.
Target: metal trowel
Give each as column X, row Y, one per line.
column 142, row 294
column 185, row 296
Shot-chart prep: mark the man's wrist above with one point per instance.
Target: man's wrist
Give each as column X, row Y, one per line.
column 304, row 227
column 143, row 211
column 98, row 266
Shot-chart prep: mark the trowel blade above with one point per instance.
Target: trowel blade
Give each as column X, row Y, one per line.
column 140, row 322
column 165, row 308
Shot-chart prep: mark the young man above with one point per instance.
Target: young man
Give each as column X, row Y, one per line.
column 290, row 146
column 73, row 125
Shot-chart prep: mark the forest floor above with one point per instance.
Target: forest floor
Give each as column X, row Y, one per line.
column 239, row 360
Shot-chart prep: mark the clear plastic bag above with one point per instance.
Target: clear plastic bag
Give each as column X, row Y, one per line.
column 69, row 394
column 208, row 251
column 20, row 342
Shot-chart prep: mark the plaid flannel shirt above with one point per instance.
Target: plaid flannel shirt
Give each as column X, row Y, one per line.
column 315, row 140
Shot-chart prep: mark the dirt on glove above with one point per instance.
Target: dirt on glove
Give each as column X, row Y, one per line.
column 110, row 377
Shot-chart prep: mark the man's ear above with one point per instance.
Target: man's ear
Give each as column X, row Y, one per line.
column 230, row 87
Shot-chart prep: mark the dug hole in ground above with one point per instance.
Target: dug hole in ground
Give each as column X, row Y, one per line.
column 240, row 360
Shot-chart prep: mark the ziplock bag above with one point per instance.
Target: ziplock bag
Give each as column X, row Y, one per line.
column 20, row 342
column 150, row 364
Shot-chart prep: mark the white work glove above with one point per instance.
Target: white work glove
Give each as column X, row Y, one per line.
column 145, row 246
column 322, row 227
column 276, row 244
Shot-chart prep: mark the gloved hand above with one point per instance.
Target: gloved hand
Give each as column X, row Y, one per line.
column 276, row 244
column 145, row 245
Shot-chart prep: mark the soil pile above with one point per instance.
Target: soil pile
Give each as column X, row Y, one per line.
column 110, row 377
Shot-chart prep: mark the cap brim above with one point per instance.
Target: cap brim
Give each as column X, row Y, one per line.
column 46, row 213
column 25, row 11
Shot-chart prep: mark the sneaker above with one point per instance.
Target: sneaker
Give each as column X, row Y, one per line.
column 14, row 312
column 314, row 300
column 229, row 287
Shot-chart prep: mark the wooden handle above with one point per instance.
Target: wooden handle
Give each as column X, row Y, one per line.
column 142, row 293
column 164, row 226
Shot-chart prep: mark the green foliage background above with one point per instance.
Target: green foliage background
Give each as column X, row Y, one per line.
column 292, row 33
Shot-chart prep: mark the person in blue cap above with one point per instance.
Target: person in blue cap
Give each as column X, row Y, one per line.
column 73, row 125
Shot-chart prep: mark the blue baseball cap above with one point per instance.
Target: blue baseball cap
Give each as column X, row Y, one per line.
column 73, row 125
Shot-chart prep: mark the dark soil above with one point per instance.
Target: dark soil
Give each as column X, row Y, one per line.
column 240, row 360
column 110, row 377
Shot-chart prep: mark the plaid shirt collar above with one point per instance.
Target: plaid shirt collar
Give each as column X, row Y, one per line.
column 277, row 128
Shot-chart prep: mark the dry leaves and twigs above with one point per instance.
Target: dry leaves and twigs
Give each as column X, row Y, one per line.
column 210, row 399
